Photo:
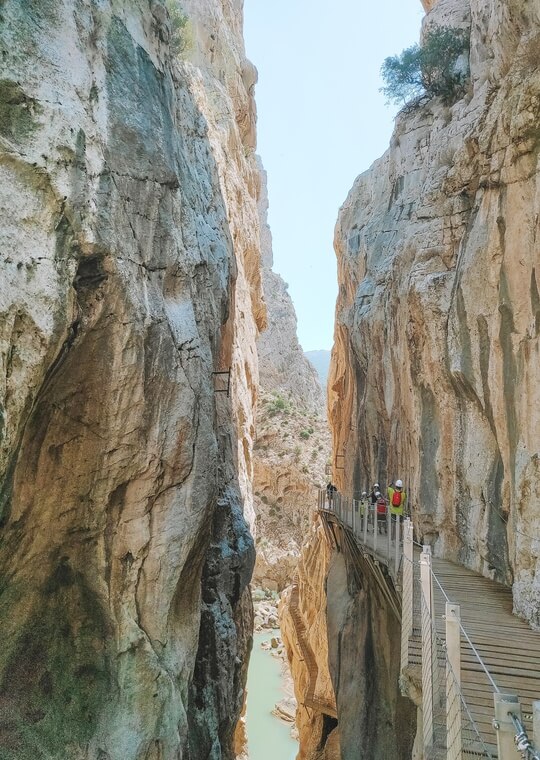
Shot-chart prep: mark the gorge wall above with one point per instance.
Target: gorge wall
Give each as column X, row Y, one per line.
column 130, row 268
column 436, row 358
column 305, row 635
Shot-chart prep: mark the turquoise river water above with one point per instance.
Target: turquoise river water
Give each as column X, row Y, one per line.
column 268, row 737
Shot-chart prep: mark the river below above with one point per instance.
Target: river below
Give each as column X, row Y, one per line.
column 269, row 738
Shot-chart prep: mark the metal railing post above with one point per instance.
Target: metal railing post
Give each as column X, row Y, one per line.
column 407, row 592
column 427, row 648
column 453, row 681
column 397, row 535
column 389, row 531
column 366, row 518
column 375, row 527
column 536, row 725
column 504, row 704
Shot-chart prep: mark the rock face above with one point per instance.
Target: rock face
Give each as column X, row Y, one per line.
column 364, row 640
column 129, row 274
column 293, row 440
column 343, row 643
column 304, row 631
column 291, row 453
column 436, row 359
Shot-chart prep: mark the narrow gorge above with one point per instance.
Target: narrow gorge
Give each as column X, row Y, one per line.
column 165, row 442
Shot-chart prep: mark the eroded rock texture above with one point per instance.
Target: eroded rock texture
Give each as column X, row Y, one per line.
column 375, row 721
column 305, row 635
column 436, row 358
column 130, row 273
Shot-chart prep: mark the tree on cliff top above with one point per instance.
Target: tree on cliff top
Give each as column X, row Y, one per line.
column 438, row 67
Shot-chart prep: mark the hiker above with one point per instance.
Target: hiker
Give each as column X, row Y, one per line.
column 330, row 491
column 373, row 494
column 363, row 503
column 381, row 506
column 397, row 498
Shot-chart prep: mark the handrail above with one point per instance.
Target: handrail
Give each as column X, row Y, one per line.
column 361, row 518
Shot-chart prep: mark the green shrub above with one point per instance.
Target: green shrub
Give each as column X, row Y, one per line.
column 430, row 70
column 278, row 404
column 304, row 434
column 179, row 22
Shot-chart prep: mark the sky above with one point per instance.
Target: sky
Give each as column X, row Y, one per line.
column 321, row 122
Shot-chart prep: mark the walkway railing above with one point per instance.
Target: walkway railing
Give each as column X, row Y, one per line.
column 381, row 533
column 453, row 728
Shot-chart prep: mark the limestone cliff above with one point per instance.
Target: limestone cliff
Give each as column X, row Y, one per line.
column 436, row 358
column 130, row 274
column 364, row 642
column 293, row 441
column 304, row 631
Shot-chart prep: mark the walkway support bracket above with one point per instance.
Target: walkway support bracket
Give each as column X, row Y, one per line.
column 427, row 648
column 453, row 681
column 407, row 592
column 536, row 724
column 505, row 704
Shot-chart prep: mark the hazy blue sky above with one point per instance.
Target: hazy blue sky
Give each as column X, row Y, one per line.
column 322, row 121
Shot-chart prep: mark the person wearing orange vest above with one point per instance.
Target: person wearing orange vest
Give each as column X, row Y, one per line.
column 397, row 498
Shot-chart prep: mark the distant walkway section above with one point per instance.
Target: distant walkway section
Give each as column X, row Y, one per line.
column 477, row 664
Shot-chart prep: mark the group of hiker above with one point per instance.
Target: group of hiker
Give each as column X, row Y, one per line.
column 394, row 503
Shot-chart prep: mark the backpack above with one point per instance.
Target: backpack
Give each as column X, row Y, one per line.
column 396, row 498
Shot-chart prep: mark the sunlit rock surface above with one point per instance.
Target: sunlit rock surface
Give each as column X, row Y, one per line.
column 436, row 360
column 129, row 274
column 305, row 635
column 364, row 646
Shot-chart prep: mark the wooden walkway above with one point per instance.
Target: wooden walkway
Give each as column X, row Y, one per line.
column 506, row 644
column 509, row 649
column 311, row 700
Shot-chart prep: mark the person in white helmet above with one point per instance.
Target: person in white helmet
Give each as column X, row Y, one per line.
column 397, row 498
column 363, row 503
column 381, row 507
column 373, row 494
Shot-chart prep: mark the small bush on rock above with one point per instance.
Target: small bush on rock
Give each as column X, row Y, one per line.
column 438, row 67
column 278, row 404
column 179, row 22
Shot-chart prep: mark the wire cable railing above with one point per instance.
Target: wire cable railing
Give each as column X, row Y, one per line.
column 450, row 730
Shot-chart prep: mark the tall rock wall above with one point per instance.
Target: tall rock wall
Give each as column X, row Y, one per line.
column 342, row 637
column 364, row 647
column 130, row 273
column 436, row 359
column 305, row 635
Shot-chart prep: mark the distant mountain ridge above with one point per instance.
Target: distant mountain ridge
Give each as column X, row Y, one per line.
column 321, row 362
